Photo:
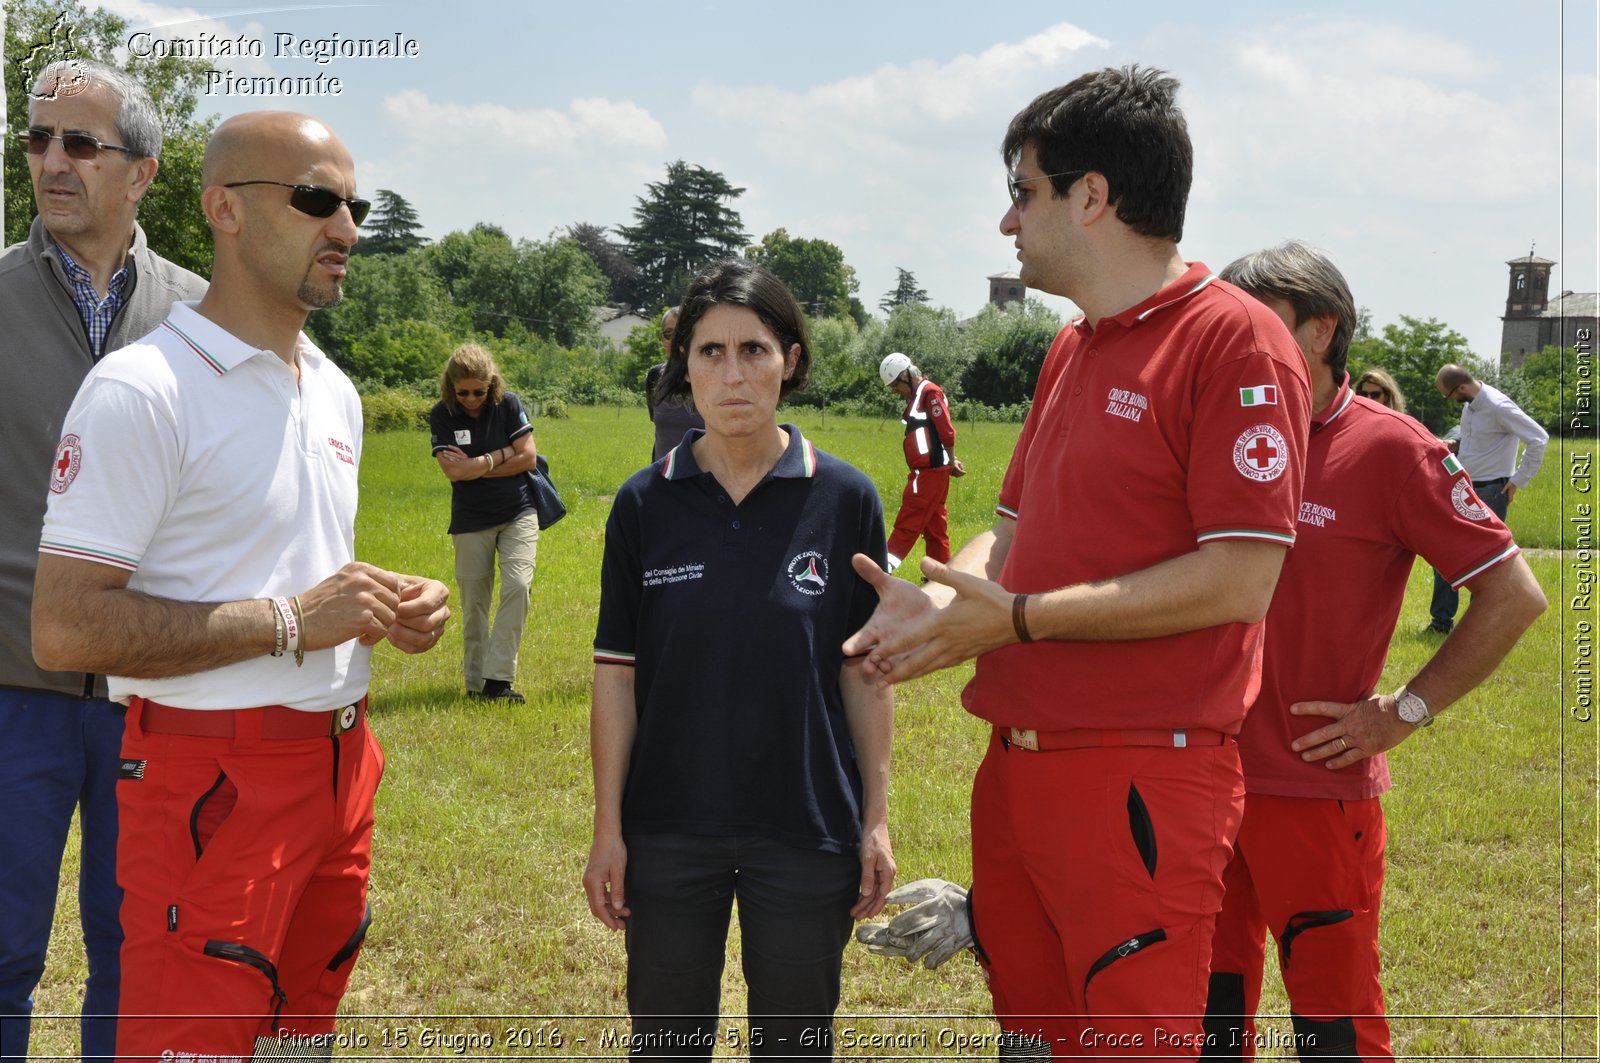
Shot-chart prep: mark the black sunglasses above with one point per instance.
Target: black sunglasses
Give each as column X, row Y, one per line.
column 476, row 393
column 76, row 145
column 1014, row 184
column 315, row 201
column 1379, row 395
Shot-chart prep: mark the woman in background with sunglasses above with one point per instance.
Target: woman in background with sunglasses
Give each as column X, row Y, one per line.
column 1379, row 386
column 484, row 445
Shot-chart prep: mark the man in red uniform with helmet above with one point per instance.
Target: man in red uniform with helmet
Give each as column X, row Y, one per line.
column 930, row 445
column 1115, row 607
column 1308, row 866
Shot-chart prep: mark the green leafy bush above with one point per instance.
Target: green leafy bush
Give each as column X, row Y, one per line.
column 395, row 410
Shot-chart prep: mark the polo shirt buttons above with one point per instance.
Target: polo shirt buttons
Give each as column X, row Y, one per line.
column 735, row 525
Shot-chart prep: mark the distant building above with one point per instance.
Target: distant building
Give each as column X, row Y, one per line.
column 1006, row 288
column 615, row 324
column 1534, row 321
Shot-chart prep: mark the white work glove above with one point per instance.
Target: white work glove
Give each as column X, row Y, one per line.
column 933, row 930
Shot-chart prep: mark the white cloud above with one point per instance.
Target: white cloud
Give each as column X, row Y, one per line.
column 1343, row 108
column 890, row 164
column 544, row 131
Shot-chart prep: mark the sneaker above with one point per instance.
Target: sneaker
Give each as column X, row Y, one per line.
column 499, row 690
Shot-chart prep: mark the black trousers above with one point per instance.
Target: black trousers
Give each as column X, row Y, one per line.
column 794, row 919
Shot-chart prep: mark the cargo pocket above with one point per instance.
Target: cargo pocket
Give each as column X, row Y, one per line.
column 1137, row 943
column 352, row 946
column 1300, row 922
column 245, row 956
column 335, row 978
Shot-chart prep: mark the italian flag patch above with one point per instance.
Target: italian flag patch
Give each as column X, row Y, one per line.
column 1451, row 465
column 1260, row 395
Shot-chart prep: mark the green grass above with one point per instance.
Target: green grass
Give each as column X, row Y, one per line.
column 483, row 819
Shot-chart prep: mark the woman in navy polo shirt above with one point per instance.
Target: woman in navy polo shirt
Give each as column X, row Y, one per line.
column 484, row 445
column 737, row 754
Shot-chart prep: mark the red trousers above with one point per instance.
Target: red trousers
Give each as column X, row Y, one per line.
column 1097, row 877
column 922, row 513
column 1310, row 871
column 243, row 862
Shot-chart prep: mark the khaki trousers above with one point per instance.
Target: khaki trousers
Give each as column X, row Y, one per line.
column 494, row 656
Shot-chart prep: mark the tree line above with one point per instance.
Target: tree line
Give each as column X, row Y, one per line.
column 409, row 301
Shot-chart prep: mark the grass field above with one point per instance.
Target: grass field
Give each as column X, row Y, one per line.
column 482, row 945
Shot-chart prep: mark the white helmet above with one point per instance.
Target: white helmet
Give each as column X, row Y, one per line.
column 892, row 366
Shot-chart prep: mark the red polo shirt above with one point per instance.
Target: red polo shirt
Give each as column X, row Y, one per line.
column 1379, row 491
column 1175, row 423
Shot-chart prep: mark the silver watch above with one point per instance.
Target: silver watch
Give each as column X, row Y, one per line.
column 1412, row 709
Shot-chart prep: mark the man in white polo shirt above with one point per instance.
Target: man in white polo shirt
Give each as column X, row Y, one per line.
column 223, row 601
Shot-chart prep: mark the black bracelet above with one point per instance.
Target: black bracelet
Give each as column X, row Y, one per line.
column 1019, row 617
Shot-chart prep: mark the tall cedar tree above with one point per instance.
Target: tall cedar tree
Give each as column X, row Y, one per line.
column 392, row 227
column 905, row 292
column 682, row 224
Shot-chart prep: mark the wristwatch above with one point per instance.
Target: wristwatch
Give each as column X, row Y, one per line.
column 1412, row 709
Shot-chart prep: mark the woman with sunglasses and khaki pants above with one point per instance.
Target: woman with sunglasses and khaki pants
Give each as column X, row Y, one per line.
column 484, row 446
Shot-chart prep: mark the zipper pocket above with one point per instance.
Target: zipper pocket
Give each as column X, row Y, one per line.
column 1126, row 948
column 1300, row 922
column 348, row 949
column 234, row 952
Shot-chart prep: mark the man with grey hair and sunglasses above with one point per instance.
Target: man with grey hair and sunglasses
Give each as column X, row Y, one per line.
column 85, row 282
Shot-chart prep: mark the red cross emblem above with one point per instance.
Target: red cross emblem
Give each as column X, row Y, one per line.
column 1260, row 453
column 69, row 459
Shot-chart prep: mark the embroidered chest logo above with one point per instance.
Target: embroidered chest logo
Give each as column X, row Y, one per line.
column 661, row 577
column 69, row 459
column 1260, row 453
column 1466, row 502
column 463, row 436
column 1130, row 405
column 808, row 573
column 1311, row 513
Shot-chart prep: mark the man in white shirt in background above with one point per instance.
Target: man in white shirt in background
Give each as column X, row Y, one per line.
column 1491, row 427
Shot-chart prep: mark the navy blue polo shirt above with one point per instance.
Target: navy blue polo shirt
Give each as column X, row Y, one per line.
column 733, row 616
column 488, row 501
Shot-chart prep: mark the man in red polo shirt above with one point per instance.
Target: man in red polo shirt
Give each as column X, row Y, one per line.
column 1115, row 607
column 1309, row 862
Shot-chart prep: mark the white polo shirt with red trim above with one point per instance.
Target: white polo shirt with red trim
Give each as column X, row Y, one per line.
column 1379, row 491
column 1178, row 422
column 196, row 463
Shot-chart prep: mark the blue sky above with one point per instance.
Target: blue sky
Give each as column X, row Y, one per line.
column 1421, row 144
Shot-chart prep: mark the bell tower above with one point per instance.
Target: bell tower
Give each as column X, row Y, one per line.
column 1525, row 328
column 1529, row 290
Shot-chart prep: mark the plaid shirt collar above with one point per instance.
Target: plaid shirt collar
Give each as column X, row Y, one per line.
column 97, row 313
